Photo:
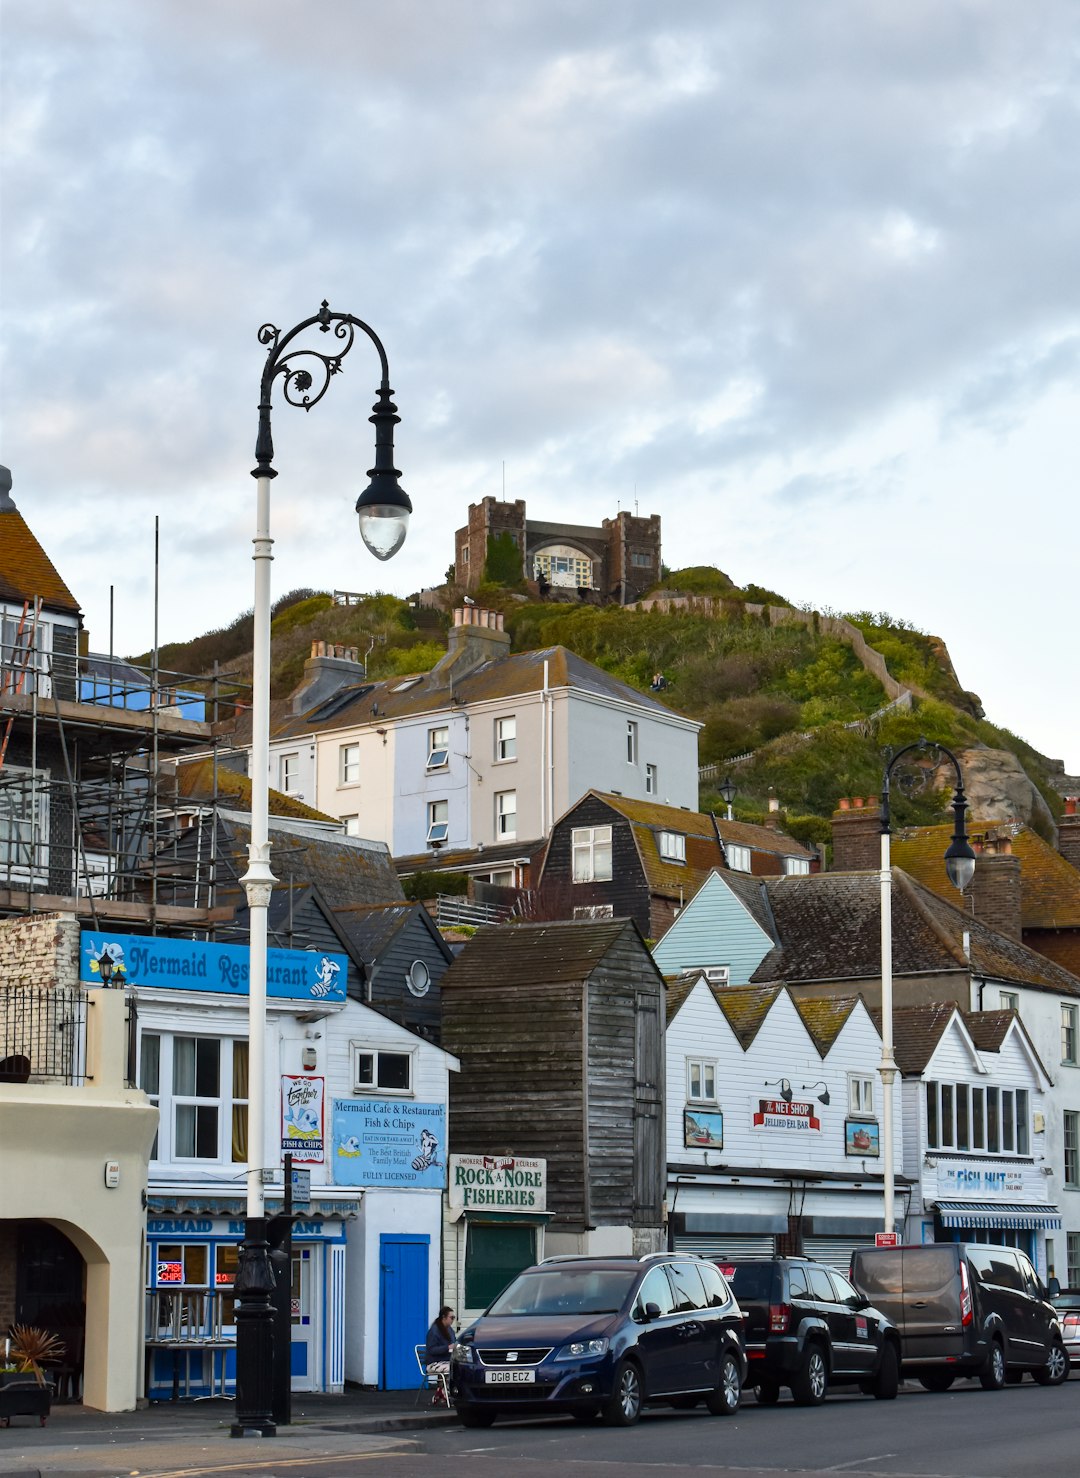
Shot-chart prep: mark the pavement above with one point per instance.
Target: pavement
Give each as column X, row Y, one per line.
column 167, row 1437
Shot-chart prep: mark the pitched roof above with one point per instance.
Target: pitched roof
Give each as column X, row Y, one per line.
column 824, row 1017
column 370, row 927
column 26, row 570
column 1049, row 885
column 829, row 928
column 538, row 954
column 746, row 1007
column 345, row 870
column 196, row 781
column 917, row 1030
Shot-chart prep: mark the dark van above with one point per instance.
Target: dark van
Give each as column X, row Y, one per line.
column 964, row 1308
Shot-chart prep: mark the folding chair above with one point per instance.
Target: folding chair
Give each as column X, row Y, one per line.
column 431, row 1380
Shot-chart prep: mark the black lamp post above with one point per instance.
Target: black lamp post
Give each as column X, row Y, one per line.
column 960, row 866
column 383, row 509
column 728, row 793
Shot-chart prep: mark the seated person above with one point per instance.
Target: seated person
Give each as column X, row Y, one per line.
column 440, row 1341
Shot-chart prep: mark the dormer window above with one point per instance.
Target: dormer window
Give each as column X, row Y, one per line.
column 738, row 858
column 671, row 846
column 438, row 748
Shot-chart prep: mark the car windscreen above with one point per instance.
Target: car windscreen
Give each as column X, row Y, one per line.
column 567, row 1291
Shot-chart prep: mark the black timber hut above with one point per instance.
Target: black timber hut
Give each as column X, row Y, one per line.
column 559, row 1028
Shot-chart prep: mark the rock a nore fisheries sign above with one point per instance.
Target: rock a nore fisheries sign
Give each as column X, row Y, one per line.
column 497, row 1183
column 195, row 964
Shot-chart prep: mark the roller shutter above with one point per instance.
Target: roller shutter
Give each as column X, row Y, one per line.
column 834, row 1252
column 727, row 1247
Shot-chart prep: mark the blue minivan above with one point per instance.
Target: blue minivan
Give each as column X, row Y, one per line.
column 603, row 1336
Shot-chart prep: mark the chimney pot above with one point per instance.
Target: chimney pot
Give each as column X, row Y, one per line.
column 857, row 802
column 844, row 803
column 1070, row 805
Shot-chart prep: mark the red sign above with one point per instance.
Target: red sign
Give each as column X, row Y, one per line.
column 774, row 1113
column 886, row 1239
column 170, row 1272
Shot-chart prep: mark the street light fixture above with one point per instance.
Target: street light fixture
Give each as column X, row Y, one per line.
column 960, row 867
column 383, row 509
column 728, row 793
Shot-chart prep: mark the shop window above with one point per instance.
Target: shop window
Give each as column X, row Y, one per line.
column 438, row 748
column 349, row 764
column 494, row 1255
column 506, row 738
column 591, row 849
column 381, row 1072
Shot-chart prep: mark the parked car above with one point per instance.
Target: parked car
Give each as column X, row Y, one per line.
column 807, row 1328
column 965, row 1308
column 1067, row 1304
column 603, row 1336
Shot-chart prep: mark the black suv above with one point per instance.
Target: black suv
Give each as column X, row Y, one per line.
column 807, row 1328
column 603, row 1336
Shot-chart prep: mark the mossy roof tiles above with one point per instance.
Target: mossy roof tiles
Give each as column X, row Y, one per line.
column 26, row 571
column 1049, row 885
column 196, row 781
column 519, row 955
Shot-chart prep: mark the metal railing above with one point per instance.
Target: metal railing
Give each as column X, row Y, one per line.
column 454, row 908
column 42, row 1034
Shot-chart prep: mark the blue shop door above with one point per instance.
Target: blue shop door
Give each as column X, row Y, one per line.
column 403, row 1310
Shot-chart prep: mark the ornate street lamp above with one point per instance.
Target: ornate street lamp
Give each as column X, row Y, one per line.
column 728, row 793
column 960, row 867
column 383, row 509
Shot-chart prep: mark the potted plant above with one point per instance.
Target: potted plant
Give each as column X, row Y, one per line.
column 25, row 1387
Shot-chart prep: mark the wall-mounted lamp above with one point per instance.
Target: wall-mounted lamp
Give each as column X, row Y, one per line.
column 785, row 1088
column 823, row 1096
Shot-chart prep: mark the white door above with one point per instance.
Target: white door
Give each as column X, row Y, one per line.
column 306, row 1322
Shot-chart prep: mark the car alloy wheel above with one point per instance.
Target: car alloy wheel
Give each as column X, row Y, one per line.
column 623, row 1407
column 725, row 1399
column 812, row 1382
column 1056, row 1368
column 993, row 1374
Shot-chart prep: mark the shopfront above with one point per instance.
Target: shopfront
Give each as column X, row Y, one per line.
column 1006, row 1206
column 495, row 1219
column 192, row 1255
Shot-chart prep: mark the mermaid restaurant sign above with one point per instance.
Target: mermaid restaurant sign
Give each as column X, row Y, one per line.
column 497, row 1183
column 195, row 964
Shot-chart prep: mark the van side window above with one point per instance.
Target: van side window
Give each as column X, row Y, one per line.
column 797, row 1284
column 656, row 1290
column 1004, row 1271
column 689, row 1291
column 715, row 1287
column 1030, row 1277
column 980, row 1264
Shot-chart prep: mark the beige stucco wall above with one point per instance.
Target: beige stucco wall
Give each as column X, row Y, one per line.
column 54, row 1142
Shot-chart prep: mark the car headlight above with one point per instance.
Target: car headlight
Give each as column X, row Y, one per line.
column 464, row 1355
column 582, row 1349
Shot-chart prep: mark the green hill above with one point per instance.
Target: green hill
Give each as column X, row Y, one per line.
column 791, row 701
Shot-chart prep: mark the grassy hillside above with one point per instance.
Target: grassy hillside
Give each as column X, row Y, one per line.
column 796, row 697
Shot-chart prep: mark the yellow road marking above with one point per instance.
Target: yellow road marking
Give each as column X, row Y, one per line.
column 289, row 1462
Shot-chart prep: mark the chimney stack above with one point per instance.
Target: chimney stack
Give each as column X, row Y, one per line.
column 476, row 637
column 1069, row 833
column 330, row 668
column 995, row 888
column 856, row 835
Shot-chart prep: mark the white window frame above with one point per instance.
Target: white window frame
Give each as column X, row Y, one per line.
column 796, row 867
column 351, row 825
column 505, row 815
column 506, row 739
column 585, row 842
column 1070, row 1034
column 289, row 772
column 631, row 742
column 737, row 857
column 860, row 1088
column 438, row 821
column 24, row 822
column 168, row 1100
column 349, row 764
column 717, row 974
column 704, row 1068
column 651, row 783
column 672, row 846
column 438, row 747
column 1009, row 1000
column 1070, row 1134
column 1072, row 1259
column 1010, row 1106
column 369, row 1087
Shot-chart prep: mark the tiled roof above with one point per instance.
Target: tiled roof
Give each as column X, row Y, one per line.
column 704, row 852
column 344, row 869
column 195, row 781
column 26, row 570
column 537, row 954
column 824, row 1017
column 988, row 1028
column 371, row 926
column 468, row 858
column 746, row 1007
column 1049, row 885
column 677, row 990
column 401, row 697
column 829, row 928
column 916, row 1032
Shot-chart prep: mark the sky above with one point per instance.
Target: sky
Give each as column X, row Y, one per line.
column 801, row 277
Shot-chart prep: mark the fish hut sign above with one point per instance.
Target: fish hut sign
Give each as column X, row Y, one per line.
column 497, row 1183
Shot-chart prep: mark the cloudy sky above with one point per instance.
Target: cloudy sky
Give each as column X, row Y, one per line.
column 800, row 276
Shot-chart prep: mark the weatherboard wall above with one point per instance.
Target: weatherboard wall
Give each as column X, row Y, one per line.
column 715, row 928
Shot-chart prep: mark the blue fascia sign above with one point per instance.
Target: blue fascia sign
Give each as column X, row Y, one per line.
column 195, row 964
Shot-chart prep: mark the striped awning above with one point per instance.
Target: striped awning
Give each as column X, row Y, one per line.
column 990, row 1214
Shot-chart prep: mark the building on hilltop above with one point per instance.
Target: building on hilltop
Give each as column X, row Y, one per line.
column 619, row 561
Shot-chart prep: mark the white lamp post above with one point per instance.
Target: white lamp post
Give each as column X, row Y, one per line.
column 960, row 866
column 383, row 509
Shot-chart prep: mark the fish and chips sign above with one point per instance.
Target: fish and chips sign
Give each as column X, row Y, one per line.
column 497, row 1183
column 774, row 1113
